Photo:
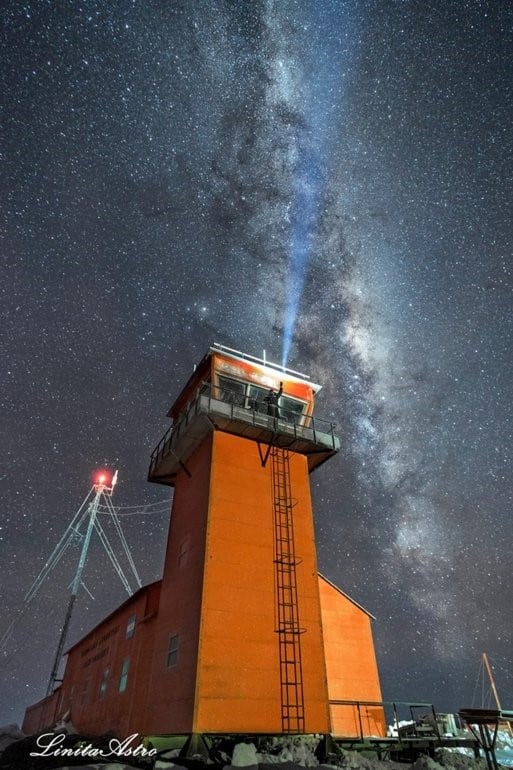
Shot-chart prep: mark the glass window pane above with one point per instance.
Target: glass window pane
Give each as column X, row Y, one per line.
column 123, row 680
column 172, row 651
column 130, row 627
column 257, row 399
column 104, row 682
column 291, row 410
column 231, row 391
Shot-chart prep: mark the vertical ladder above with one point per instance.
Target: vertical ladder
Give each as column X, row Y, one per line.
column 286, row 603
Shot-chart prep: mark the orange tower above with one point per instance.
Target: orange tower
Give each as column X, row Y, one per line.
column 240, row 604
column 241, row 634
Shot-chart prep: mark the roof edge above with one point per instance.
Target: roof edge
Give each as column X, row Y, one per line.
column 340, row 591
column 108, row 617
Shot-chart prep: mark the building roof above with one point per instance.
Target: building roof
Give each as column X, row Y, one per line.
column 202, row 369
column 340, row 591
column 114, row 612
column 277, row 368
column 146, row 588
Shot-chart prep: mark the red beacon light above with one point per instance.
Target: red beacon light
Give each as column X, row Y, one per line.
column 104, row 480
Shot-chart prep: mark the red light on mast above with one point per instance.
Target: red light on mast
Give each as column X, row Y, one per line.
column 101, row 478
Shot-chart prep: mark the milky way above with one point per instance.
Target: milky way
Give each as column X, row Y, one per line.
column 162, row 166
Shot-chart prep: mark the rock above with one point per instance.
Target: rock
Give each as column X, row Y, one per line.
column 244, row 754
column 9, row 734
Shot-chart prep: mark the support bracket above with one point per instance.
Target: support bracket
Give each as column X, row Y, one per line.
column 264, row 456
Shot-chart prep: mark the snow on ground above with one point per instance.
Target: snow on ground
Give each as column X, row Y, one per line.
column 351, row 761
column 293, row 753
column 9, row 734
column 298, row 753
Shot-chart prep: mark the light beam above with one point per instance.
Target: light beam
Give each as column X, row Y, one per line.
column 325, row 93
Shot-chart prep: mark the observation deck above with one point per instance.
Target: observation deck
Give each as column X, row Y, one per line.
column 216, row 408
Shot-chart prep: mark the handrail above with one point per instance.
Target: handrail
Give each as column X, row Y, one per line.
column 247, row 409
column 393, row 704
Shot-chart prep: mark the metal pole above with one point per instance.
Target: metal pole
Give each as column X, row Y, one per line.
column 93, row 509
column 492, row 680
column 360, row 719
column 60, row 646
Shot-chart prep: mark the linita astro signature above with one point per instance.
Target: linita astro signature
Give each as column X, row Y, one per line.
column 50, row 745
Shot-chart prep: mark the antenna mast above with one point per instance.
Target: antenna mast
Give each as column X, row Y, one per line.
column 97, row 503
column 98, row 500
column 492, row 680
column 99, row 489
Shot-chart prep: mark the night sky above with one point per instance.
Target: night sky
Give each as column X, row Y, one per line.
column 328, row 180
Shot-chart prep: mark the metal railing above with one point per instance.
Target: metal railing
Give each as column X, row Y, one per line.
column 366, row 710
column 238, row 406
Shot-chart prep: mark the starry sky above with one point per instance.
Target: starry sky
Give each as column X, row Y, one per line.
column 328, row 181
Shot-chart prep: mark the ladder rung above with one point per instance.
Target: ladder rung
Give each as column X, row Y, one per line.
column 292, row 707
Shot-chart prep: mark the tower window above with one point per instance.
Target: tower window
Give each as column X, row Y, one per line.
column 291, row 410
column 123, row 679
column 172, row 651
column 130, row 627
column 231, row 391
column 104, row 682
column 254, row 397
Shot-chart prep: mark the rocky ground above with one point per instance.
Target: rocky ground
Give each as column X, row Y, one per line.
column 290, row 754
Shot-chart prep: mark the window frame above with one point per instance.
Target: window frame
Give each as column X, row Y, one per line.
column 235, row 397
column 130, row 626
column 123, row 678
column 249, row 402
column 173, row 651
column 104, row 682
